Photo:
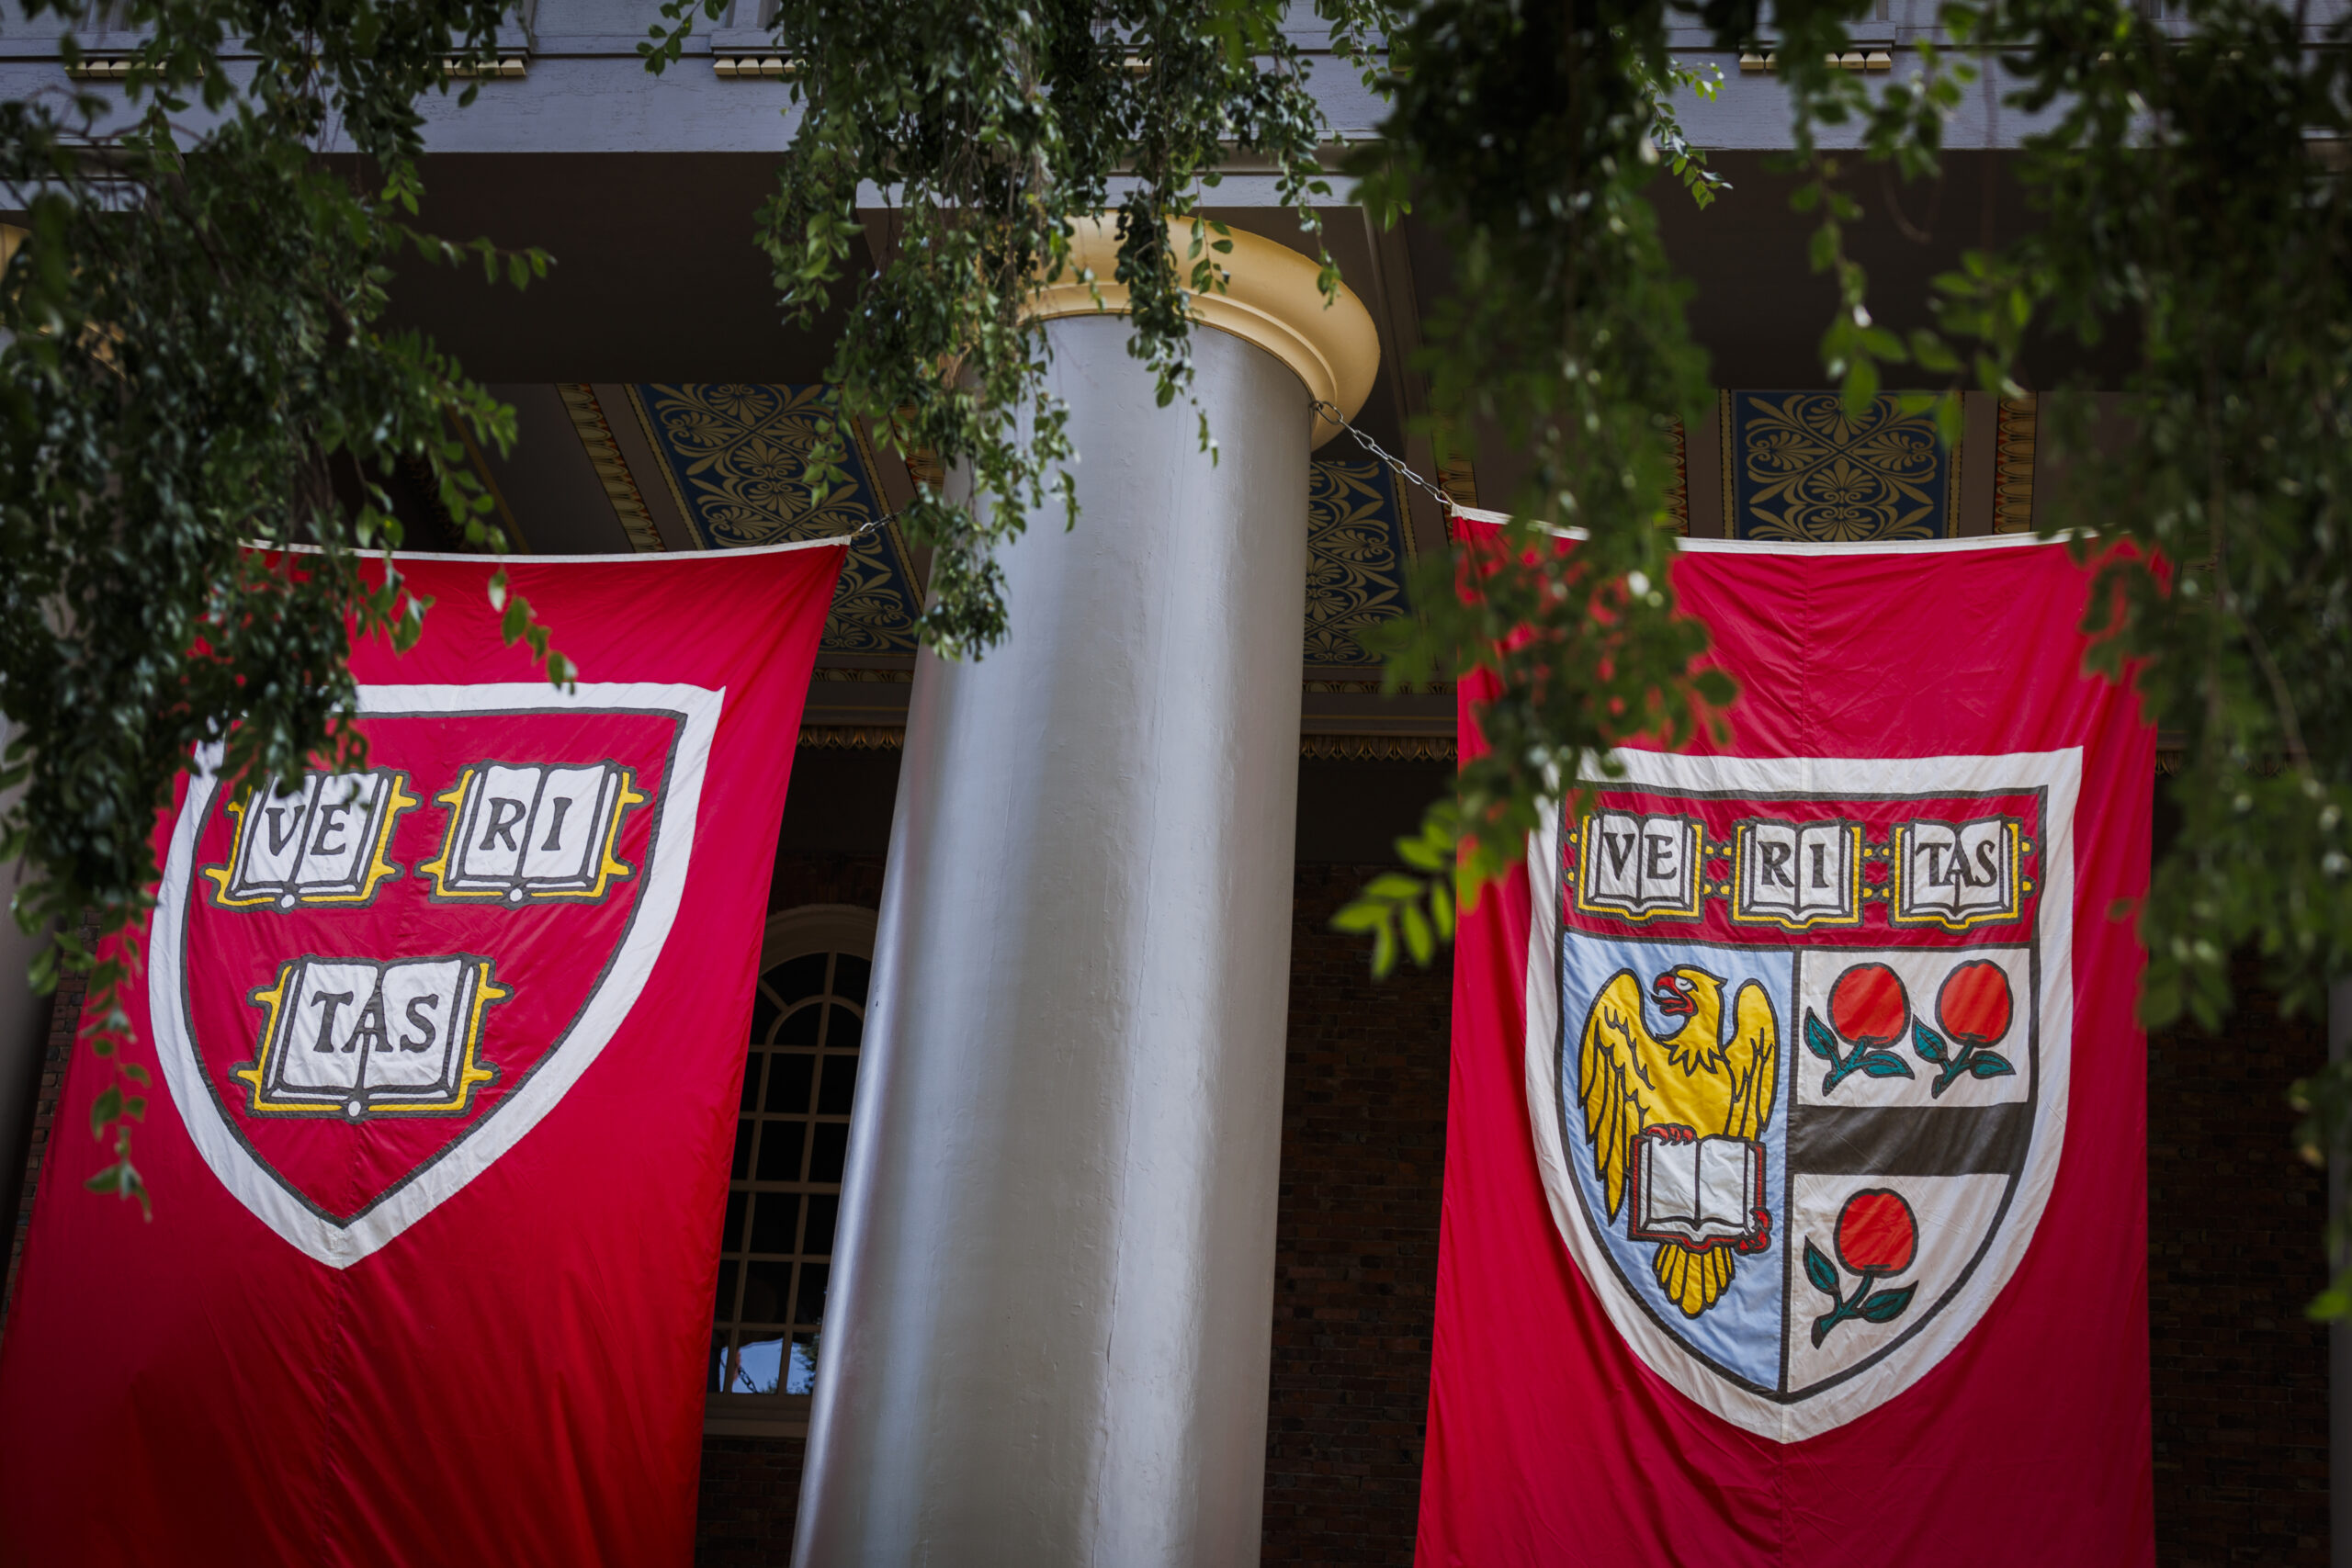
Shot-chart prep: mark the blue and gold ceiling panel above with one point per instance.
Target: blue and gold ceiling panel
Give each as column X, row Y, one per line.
column 1359, row 551
column 732, row 455
column 1797, row 467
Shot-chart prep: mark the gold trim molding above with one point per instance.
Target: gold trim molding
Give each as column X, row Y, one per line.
column 2013, row 448
column 854, row 737
column 1378, row 748
column 1270, row 299
column 612, row 468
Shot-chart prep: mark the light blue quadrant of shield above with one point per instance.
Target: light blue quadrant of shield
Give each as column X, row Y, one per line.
column 1741, row 1332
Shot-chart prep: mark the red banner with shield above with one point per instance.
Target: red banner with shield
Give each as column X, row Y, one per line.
column 1794, row 1205
column 446, row 1052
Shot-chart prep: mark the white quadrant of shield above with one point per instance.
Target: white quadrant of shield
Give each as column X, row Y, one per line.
column 339, row 1245
column 2058, row 774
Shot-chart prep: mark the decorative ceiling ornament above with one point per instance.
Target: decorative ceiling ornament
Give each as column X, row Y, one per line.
column 1358, row 551
column 1796, row 467
column 733, row 455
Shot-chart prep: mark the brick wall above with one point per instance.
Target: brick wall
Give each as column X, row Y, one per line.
column 2238, row 1376
column 750, row 1495
column 1355, row 1247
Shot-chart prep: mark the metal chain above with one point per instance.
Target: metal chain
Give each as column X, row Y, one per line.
column 1330, row 412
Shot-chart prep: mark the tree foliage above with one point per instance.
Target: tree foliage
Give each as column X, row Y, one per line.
column 192, row 347
column 991, row 130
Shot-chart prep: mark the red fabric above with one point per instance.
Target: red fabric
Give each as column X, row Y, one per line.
column 1550, row 1440
column 516, row 1376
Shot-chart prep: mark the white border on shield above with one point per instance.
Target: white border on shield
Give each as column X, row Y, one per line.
column 662, row 891
column 2058, row 771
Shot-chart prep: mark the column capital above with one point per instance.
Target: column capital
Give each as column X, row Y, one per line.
column 1271, row 299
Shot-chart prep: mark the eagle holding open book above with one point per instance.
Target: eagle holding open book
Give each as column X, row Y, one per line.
column 1680, row 1122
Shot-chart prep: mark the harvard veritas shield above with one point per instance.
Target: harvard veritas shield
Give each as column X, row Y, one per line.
column 367, row 986
column 1797, row 1061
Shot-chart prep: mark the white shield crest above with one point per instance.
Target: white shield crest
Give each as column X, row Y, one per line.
column 1798, row 1038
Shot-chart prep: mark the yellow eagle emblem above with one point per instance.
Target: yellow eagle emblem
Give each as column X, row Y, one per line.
column 1692, row 1084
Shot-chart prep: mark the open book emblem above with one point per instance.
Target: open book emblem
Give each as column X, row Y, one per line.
column 319, row 838
column 1798, row 1066
column 539, row 831
column 354, row 1036
column 367, row 985
column 1699, row 1193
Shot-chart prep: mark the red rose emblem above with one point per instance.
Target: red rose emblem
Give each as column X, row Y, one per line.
column 1974, row 1003
column 1876, row 1234
column 1868, row 1005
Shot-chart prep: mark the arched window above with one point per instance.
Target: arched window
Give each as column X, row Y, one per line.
column 791, row 1140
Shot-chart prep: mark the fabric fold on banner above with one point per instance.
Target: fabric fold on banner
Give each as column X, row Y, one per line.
column 1794, row 1202
column 445, row 1055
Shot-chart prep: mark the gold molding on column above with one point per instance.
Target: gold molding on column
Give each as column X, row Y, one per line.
column 612, row 468
column 1270, row 299
column 2013, row 447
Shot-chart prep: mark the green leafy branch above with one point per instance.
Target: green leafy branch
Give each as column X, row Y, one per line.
column 1419, row 908
column 195, row 367
column 995, row 129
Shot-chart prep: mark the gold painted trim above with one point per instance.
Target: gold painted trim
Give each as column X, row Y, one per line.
column 612, row 469
column 653, row 444
column 1270, row 299
column 1378, row 748
column 854, row 737
column 2016, row 428
column 1731, row 470
column 1457, row 475
column 1952, row 488
column 864, row 441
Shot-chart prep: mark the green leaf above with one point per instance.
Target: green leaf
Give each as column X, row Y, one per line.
column 1927, row 1042
column 1819, row 1270
column 1418, row 941
column 1817, row 1038
column 1861, row 387
column 1885, row 1306
column 104, row 1110
column 1885, row 1065
column 1990, row 1064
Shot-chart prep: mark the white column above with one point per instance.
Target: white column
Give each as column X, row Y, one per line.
column 1047, row 1338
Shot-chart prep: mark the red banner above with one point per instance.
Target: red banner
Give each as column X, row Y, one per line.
column 1795, row 1183
column 445, row 1055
